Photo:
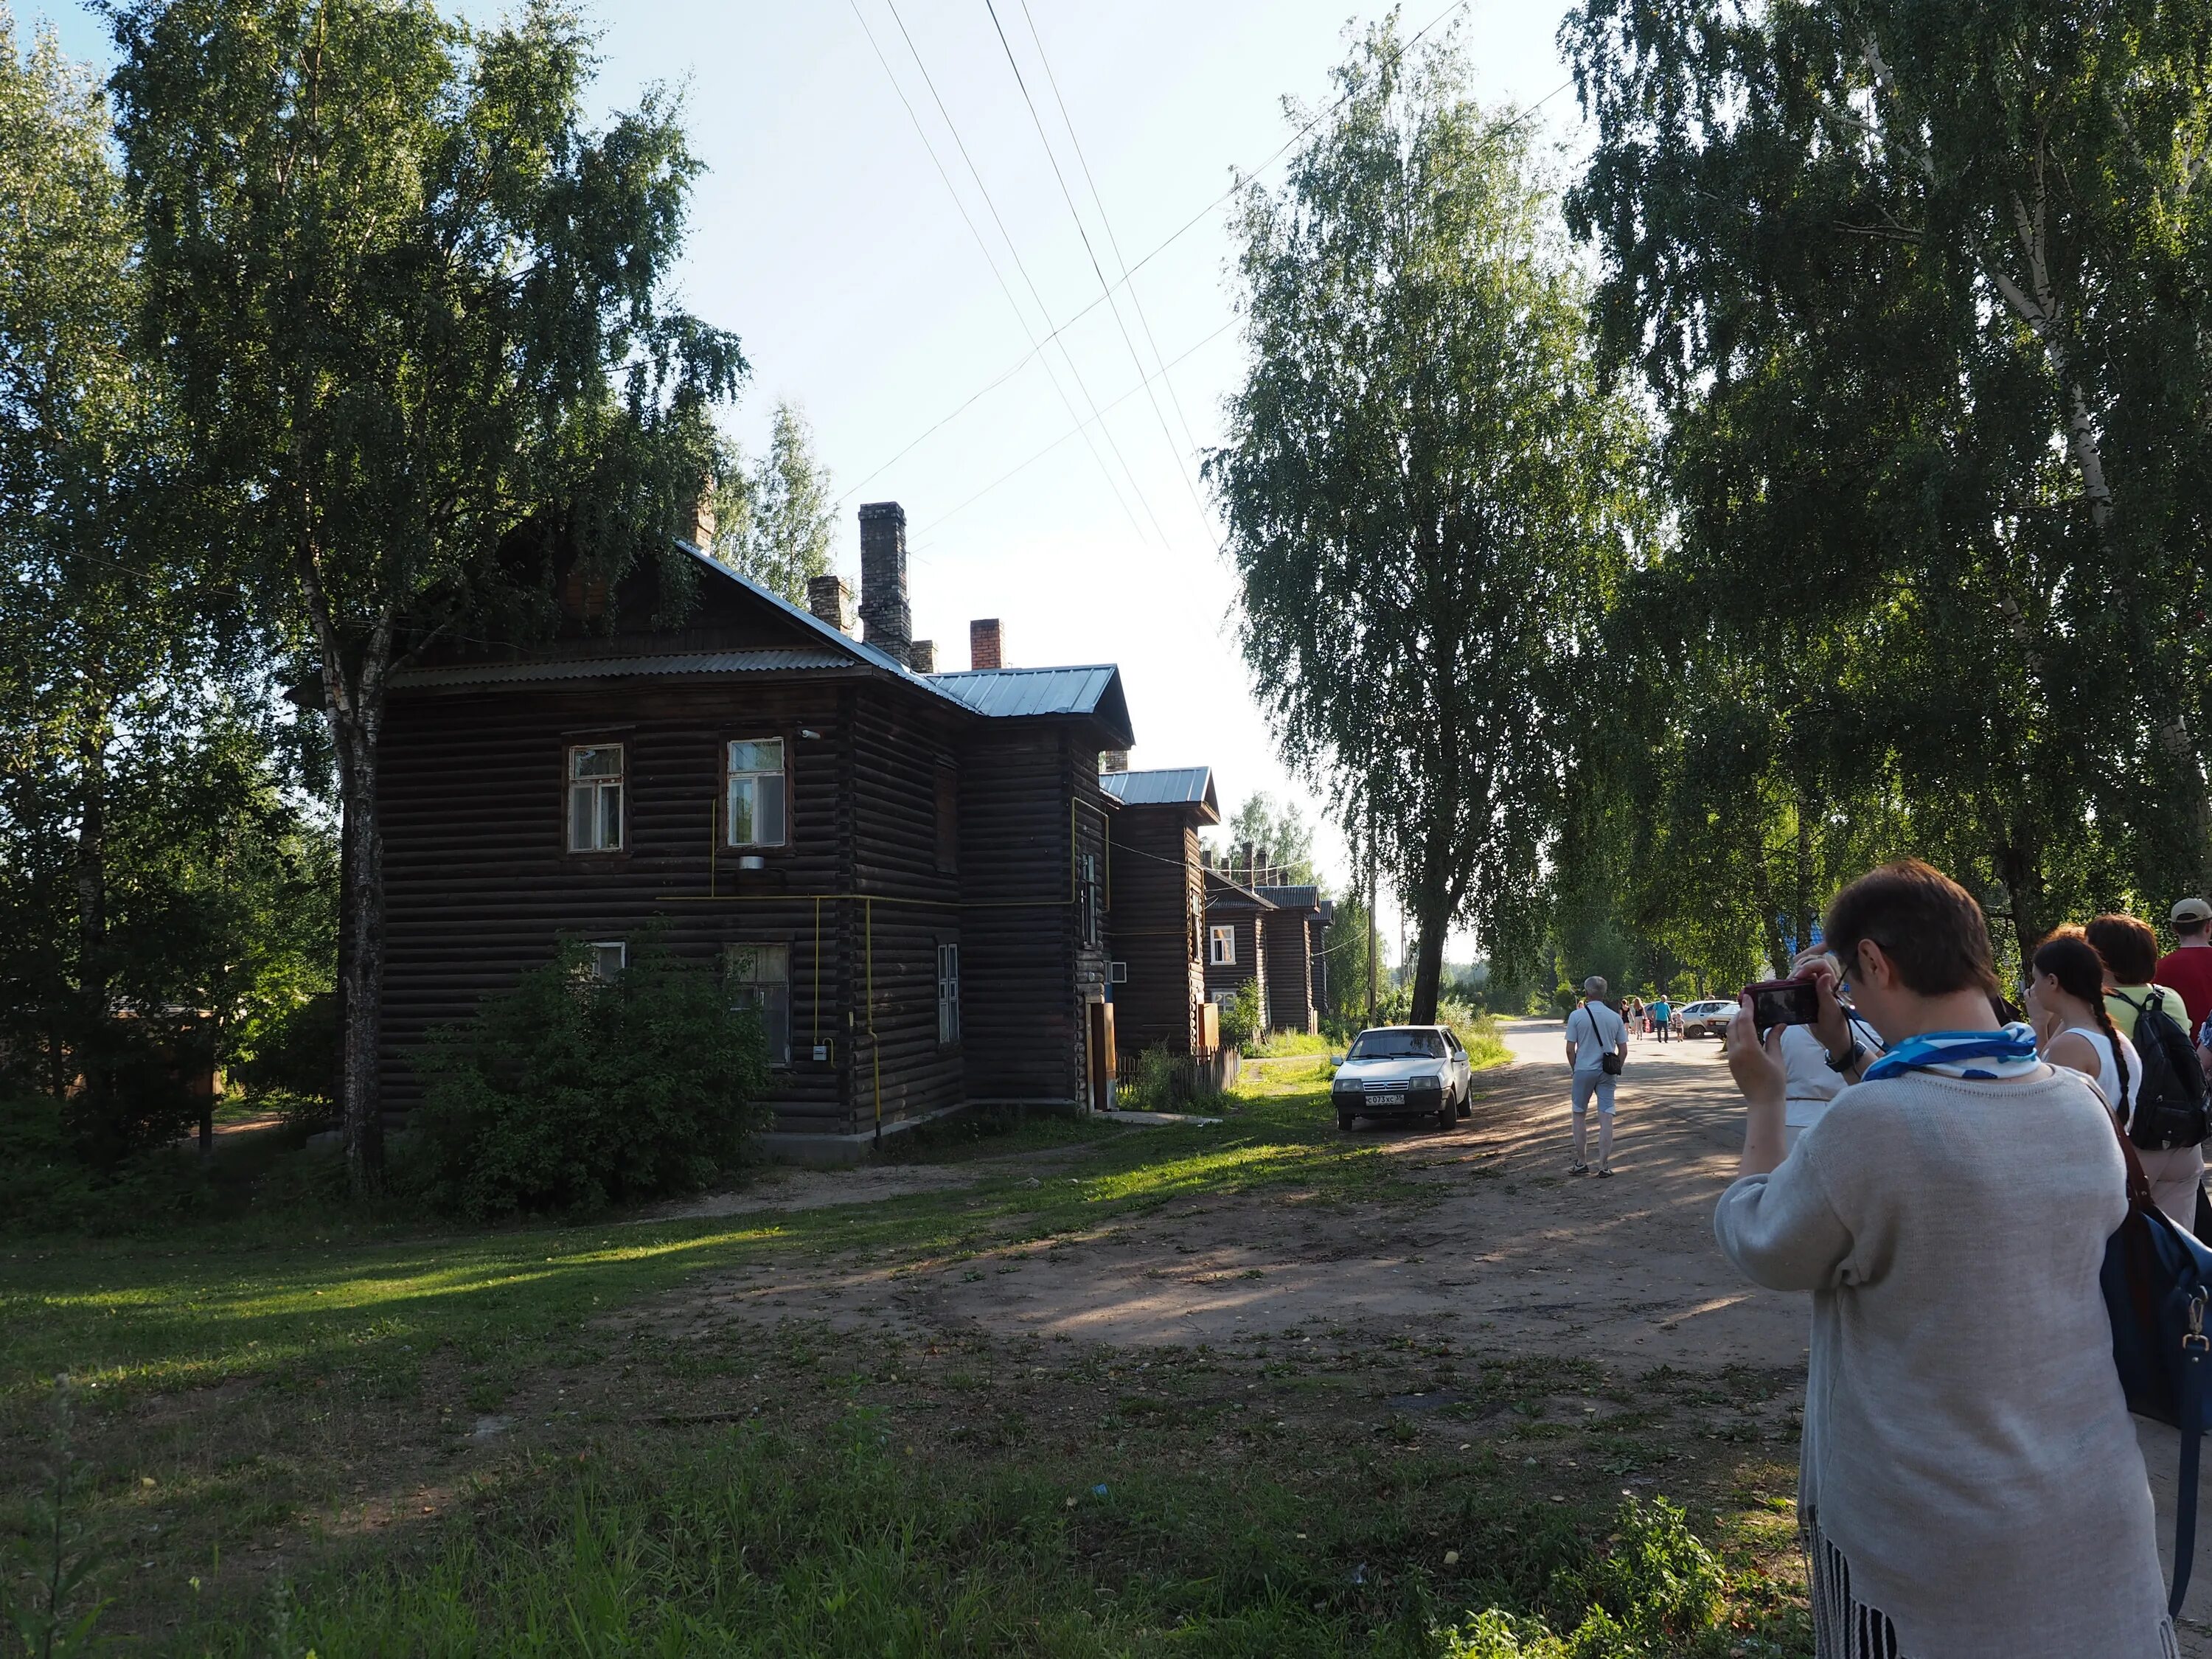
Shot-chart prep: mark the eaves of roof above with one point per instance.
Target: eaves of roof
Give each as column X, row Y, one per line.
column 780, row 659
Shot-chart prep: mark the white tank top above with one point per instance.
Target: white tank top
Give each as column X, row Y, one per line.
column 2108, row 1074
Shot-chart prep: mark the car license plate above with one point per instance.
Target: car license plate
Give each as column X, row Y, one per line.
column 1386, row 1100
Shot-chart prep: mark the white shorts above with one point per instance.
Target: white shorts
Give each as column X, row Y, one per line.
column 1598, row 1082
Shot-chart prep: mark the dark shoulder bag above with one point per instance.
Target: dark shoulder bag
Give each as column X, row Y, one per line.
column 2157, row 1279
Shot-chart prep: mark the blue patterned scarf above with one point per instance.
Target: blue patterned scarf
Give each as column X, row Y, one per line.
column 1986, row 1054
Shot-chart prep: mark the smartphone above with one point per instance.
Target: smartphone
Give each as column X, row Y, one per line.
column 1782, row 1002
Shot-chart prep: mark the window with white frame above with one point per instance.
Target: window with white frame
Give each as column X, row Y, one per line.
column 1221, row 946
column 609, row 957
column 759, row 978
column 756, row 798
column 948, row 993
column 595, row 798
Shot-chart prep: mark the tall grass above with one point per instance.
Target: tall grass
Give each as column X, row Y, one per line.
column 763, row 1545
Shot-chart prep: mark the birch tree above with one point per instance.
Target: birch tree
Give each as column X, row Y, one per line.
column 1430, row 495
column 1920, row 290
column 417, row 308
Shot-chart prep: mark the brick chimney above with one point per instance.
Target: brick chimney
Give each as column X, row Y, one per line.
column 921, row 656
column 986, row 645
column 701, row 527
column 886, row 622
column 830, row 601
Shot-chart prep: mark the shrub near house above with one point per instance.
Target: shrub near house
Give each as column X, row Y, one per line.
column 575, row 1091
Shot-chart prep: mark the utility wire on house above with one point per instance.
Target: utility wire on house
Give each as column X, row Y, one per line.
column 1244, row 177
column 975, row 174
column 1114, row 242
column 1037, row 346
column 1105, row 288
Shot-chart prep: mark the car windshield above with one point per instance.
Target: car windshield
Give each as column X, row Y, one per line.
column 1397, row 1045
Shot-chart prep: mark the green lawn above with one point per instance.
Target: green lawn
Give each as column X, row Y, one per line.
column 359, row 1439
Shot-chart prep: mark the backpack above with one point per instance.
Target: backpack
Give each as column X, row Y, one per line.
column 2171, row 1105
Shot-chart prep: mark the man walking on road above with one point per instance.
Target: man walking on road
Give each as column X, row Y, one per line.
column 1661, row 1011
column 1595, row 1036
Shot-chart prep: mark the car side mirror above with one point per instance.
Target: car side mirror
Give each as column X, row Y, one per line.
column 1336, row 1060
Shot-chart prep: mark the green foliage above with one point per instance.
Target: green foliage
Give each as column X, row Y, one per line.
column 1430, row 489
column 774, row 522
column 47, row 1597
column 1656, row 1593
column 570, row 1093
column 1908, row 284
column 426, row 378
column 1276, row 828
column 1240, row 1016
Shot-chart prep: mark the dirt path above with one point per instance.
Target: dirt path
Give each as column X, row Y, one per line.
column 1515, row 1255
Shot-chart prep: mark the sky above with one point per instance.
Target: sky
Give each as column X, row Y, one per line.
column 880, row 221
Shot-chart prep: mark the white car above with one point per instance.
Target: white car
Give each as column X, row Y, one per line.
column 1706, row 1019
column 1404, row 1071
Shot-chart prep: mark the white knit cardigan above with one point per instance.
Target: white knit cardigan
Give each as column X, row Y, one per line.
column 1967, row 1449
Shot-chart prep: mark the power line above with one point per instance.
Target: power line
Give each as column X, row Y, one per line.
column 1036, row 347
column 1063, row 438
column 1105, row 289
column 975, row 174
column 1099, row 202
column 1170, row 239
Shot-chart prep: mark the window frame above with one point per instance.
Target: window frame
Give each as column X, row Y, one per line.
column 1218, row 934
column 948, row 1008
column 571, row 746
column 946, row 805
column 730, row 775
column 732, row 985
column 620, row 946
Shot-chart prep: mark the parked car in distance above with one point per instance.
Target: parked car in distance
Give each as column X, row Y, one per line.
column 1706, row 1019
column 1401, row 1072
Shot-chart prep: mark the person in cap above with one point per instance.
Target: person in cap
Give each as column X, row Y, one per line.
column 2187, row 966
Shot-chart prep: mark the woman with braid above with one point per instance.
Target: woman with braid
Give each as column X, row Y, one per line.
column 2073, row 1028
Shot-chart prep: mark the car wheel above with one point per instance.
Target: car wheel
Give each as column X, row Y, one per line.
column 1689, row 1031
column 1344, row 1122
column 1467, row 1104
column 1447, row 1115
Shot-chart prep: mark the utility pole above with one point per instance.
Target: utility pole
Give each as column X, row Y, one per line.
column 1374, row 938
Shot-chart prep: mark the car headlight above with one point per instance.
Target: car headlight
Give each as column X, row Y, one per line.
column 1424, row 1085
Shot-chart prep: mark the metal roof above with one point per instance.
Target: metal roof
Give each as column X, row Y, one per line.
column 1290, row 898
column 874, row 656
column 1180, row 785
column 1094, row 692
column 592, row 668
column 1219, row 889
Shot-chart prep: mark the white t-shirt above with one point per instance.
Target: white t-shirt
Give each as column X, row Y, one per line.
column 1813, row 1084
column 1597, row 1036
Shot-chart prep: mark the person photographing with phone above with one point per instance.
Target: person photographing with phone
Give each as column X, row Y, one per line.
column 1970, row 1483
column 1597, row 1048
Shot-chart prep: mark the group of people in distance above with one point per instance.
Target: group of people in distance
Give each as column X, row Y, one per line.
column 1937, row 1160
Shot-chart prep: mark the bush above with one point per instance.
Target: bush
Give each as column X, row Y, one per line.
column 48, row 1186
column 1240, row 1016
column 1657, row 1591
column 294, row 1058
column 570, row 1093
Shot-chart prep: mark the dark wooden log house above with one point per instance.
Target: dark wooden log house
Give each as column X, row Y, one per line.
column 906, row 872
column 1293, row 946
column 1237, row 922
column 1159, row 906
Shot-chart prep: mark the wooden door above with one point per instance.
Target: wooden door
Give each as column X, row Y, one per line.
column 1102, row 1056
